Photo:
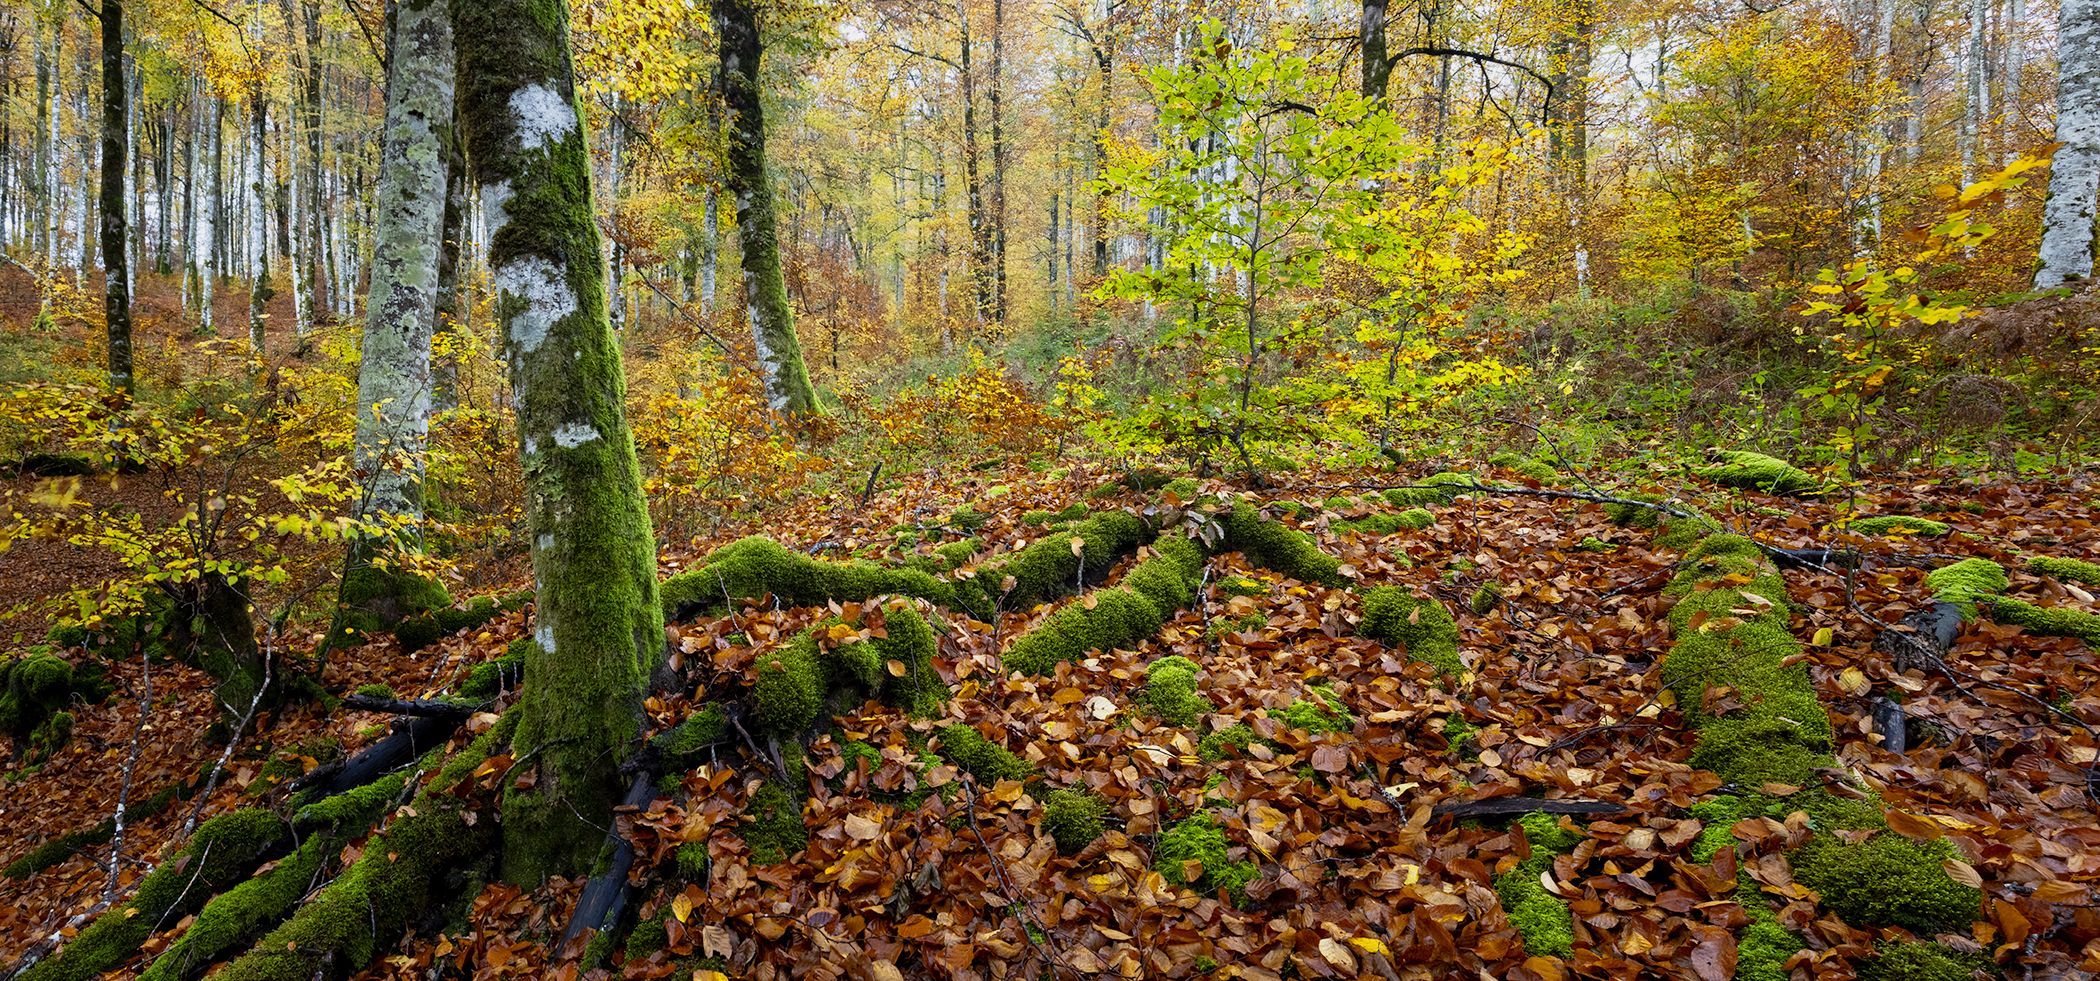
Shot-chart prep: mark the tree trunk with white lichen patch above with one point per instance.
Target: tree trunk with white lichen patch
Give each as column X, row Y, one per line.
column 599, row 628
column 765, row 287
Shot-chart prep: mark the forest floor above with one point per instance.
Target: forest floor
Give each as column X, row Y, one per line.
column 1560, row 698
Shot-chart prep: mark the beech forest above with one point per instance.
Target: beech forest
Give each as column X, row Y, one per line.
column 1049, row 490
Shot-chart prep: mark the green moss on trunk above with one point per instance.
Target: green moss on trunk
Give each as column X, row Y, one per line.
column 598, row 622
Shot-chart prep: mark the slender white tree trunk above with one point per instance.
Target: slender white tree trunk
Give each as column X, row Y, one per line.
column 2074, row 175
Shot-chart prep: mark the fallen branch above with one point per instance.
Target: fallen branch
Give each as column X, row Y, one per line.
column 428, row 708
column 410, row 739
column 605, row 897
column 1515, row 806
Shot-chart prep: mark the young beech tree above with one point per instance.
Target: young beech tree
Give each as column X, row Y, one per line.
column 394, row 378
column 765, row 287
column 598, row 630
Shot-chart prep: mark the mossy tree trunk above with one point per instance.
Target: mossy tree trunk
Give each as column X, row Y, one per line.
column 599, row 629
column 765, row 287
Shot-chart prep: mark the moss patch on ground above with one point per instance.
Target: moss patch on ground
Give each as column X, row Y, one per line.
column 2065, row 570
column 989, row 762
column 1394, row 616
column 1074, row 818
column 1746, row 470
column 1170, row 690
column 1195, row 854
column 1899, row 524
column 1541, row 918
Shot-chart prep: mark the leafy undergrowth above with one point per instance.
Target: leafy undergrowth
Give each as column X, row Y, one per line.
column 914, row 869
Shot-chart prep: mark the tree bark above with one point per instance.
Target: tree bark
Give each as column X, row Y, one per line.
column 1377, row 67
column 2074, row 174
column 765, row 287
column 598, row 628
column 116, row 279
column 393, row 377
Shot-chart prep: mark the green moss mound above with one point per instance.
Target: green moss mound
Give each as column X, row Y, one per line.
column 772, row 828
column 989, row 762
column 377, row 596
column 1074, row 818
column 425, row 629
column 1888, row 880
column 1274, row 546
column 1226, row 743
column 1746, row 470
column 2065, row 570
column 1323, row 712
column 1412, row 519
column 1170, row 690
column 795, row 681
column 1052, row 567
column 2048, row 621
column 1634, row 515
column 1900, row 524
column 1965, row 582
column 1541, row 918
column 1195, row 854
column 1485, row 599
column 1529, row 467
column 1396, row 617
column 757, row 566
column 1437, row 488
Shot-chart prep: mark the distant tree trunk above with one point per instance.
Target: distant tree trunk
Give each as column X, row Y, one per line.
column 710, row 250
column 998, row 215
column 1377, row 67
column 1104, row 66
column 765, row 287
column 259, row 291
column 2074, row 173
column 973, row 178
column 393, row 378
column 599, row 626
column 616, row 141
column 116, row 278
column 48, row 191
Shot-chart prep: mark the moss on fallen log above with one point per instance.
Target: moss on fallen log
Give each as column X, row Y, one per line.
column 757, row 566
column 1112, row 618
column 1770, row 732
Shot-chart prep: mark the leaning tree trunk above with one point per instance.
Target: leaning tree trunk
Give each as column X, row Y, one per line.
column 599, row 628
column 2074, row 175
column 116, row 278
column 765, row 288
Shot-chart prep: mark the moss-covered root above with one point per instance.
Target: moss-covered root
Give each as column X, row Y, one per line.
column 1541, row 918
column 364, row 910
column 378, row 595
column 1196, row 854
column 1975, row 584
column 1745, row 470
column 1394, row 616
column 1112, row 618
column 796, row 680
column 2065, row 570
column 224, row 851
column 1272, row 545
column 757, row 566
column 242, row 913
column 1055, row 566
column 1437, row 488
